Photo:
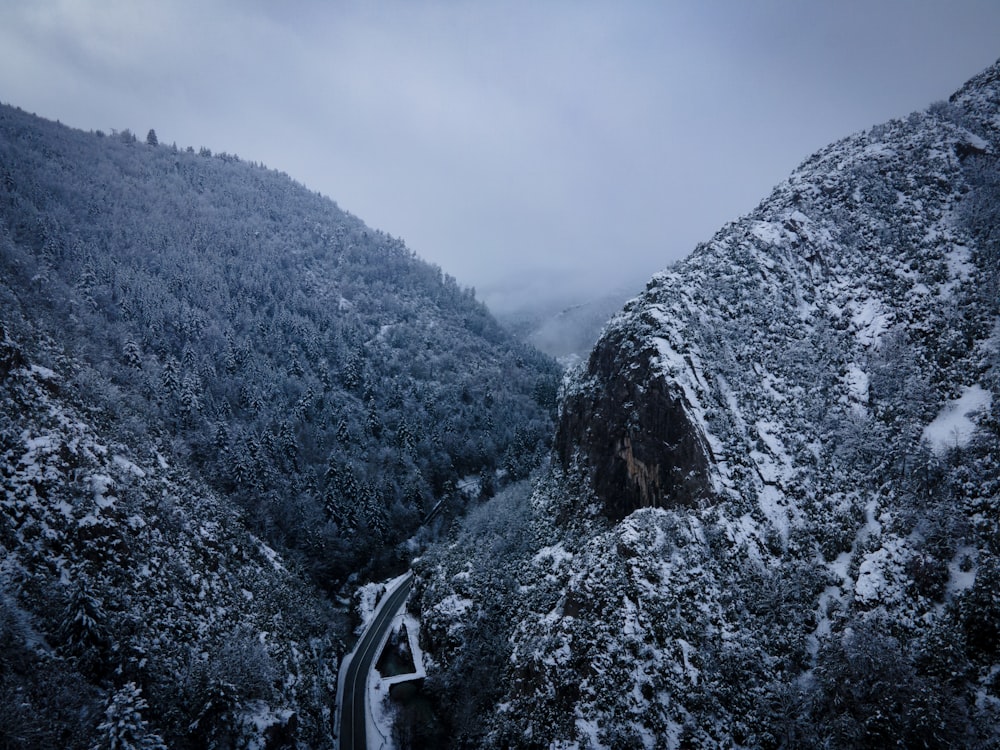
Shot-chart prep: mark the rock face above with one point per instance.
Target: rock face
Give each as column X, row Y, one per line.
column 633, row 430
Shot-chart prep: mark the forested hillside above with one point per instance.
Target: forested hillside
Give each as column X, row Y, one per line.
column 312, row 369
column 135, row 607
column 774, row 521
column 220, row 392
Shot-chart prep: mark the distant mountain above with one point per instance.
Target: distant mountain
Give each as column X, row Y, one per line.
column 220, row 394
column 568, row 330
column 774, row 516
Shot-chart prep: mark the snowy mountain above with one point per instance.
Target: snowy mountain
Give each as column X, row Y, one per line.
column 772, row 516
column 223, row 398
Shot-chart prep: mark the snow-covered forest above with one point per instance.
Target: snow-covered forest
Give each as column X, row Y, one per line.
column 222, row 396
column 763, row 513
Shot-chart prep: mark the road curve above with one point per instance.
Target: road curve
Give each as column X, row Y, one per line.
column 353, row 720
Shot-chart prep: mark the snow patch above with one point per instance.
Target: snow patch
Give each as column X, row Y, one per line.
column 879, row 149
column 976, row 142
column 42, row 372
column 857, row 383
column 771, row 504
column 770, row 233
column 454, row 606
column 962, row 570
column 125, row 465
column 960, row 264
column 272, row 557
column 100, row 484
column 368, row 596
column 881, row 574
column 555, row 555
column 870, row 321
column 693, row 673
column 954, row 427
column 42, row 443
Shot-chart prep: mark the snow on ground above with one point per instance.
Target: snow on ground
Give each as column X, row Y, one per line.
column 772, row 472
column 272, row 557
column 43, row 372
column 768, row 232
column 370, row 595
column 880, row 572
column 259, row 718
column 962, row 570
column 382, row 708
column 454, row 607
column 772, row 504
column 953, row 427
column 870, row 321
column 588, row 729
column 555, row 555
column 960, row 265
column 857, row 383
column 127, row 466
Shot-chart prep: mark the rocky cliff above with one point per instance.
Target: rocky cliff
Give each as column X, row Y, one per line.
column 634, row 430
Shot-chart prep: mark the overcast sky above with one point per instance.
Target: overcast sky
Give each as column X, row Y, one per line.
column 586, row 144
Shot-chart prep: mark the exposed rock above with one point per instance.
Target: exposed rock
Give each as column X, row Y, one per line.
column 633, row 430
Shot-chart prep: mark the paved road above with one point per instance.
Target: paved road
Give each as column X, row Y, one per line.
column 352, row 710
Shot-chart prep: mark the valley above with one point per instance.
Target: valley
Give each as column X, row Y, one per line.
column 757, row 505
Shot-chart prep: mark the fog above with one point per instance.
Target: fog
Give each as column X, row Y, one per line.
column 557, row 150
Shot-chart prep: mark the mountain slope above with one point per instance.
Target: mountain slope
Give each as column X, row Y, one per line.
column 311, row 368
column 124, row 578
column 774, row 518
column 222, row 398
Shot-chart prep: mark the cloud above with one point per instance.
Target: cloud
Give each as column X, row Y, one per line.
column 591, row 143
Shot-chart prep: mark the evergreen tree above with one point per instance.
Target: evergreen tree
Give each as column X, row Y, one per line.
column 124, row 727
column 83, row 632
column 343, row 433
column 170, row 379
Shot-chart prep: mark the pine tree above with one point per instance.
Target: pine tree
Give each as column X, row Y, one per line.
column 343, row 433
column 215, row 726
column 374, row 513
column 190, row 399
column 132, row 355
column 352, row 374
column 123, row 727
column 83, row 633
column 374, row 423
column 340, row 496
column 170, row 379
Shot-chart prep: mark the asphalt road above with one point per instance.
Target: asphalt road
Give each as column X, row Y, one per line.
column 352, row 711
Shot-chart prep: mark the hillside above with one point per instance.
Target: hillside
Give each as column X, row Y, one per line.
column 223, row 396
column 772, row 520
column 309, row 367
column 128, row 586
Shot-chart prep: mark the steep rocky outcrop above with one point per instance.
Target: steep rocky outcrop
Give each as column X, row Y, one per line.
column 633, row 430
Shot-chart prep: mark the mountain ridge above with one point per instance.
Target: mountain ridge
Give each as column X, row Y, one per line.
column 826, row 578
column 224, row 401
